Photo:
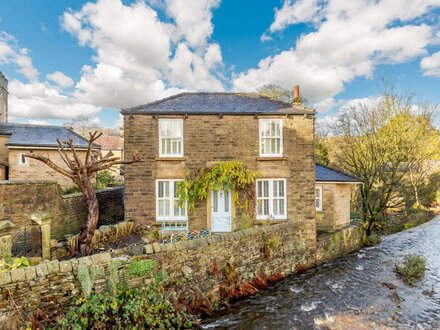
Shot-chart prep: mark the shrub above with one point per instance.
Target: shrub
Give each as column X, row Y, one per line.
column 412, row 269
column 409, row 225
column 371, row 240
column 146, row 308
column 103, row 179
column 15, row 263
column 141, row 267
column 70, row 190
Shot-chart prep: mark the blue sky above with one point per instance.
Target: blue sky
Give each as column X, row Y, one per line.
column 80, row 58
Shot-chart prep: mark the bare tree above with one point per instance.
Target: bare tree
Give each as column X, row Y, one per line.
column 380, row 144
column 81, row 172
column 82, row 125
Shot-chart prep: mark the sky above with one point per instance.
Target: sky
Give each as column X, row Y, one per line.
column 68, row 59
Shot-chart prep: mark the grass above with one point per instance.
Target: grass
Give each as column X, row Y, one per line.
column 413, row 268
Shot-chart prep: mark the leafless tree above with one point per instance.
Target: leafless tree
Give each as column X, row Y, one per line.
column 81, row 171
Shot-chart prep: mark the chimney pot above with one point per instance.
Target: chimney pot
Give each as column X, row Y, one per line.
column 296, row 95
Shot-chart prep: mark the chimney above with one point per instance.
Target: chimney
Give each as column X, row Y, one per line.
column 3, row 99
column 296, row 96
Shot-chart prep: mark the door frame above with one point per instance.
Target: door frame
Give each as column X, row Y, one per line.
column 209, row 210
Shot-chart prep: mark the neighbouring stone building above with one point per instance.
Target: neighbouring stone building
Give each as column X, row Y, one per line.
column 18, row 139
column 190, row 131
column 333, row 198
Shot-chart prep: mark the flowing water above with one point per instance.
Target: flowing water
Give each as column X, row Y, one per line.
column 352, row 292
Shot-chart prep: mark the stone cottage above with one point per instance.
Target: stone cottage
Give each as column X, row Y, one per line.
column 333, row 198
column 18, row 139
column 190, row 131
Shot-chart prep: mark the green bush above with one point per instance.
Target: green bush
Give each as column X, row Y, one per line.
column 71, row 190
column 14, row 263
column 103, row 179
column 412, row 269
column 141, row 267
column 246, row 221
column 409, row 225
column 146, row 308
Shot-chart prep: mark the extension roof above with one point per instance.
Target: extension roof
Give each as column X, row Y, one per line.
column 40, row 136
column 326, row 174
column 216, row 103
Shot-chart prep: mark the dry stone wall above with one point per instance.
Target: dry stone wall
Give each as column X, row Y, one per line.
column 52, row 285
column 18, row 200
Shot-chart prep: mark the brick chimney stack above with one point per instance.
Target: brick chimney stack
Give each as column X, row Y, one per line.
column 296, row 96
column 3, row 99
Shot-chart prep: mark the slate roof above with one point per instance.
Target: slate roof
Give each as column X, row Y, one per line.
column 324, row 174
column 216, row 103
column 39, row 135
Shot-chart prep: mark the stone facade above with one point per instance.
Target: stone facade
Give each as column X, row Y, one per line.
column 34, row 169
column 336, row 200
column 19, row 200
column 3, row 99
column 212, row 138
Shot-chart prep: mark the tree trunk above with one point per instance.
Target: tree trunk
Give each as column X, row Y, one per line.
column 89, row 228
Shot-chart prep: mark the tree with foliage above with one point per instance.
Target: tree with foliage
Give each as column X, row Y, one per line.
column 380, row 144
column 82, row 170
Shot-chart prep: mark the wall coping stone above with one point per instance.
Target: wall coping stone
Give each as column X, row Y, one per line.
column 65, row 266
column 5, row 278
column 148, row 249
column 26, row 182
column 41, row 269
column 53, row 266
column 18, row 275
column 30, row 273
column 101, row 258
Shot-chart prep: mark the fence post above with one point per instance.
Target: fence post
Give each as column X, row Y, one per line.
column 43, row 219
column 6, row 239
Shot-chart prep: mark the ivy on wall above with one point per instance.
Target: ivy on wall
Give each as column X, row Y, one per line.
column 230, row 175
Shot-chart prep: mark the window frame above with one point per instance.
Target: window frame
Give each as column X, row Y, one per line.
column 318, row 208
column 20, row 158
column 161, row 152
column 171, row 198
column 280, row 121
column 271, row 199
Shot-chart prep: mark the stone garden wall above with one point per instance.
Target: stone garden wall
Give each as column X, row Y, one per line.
column 18, row 200
column 51, row 285
column 332, row 245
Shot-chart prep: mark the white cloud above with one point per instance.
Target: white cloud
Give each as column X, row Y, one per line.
column 60, row 79
column 431, row 65
column 140, row 58
column 193, row 19
column 39, row 100
column 294, row 12
column 11, row 53
column 350, row 40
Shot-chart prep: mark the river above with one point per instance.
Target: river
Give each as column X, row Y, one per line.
column 349, row 293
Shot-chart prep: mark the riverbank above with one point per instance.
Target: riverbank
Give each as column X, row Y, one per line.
column 350, row 290
column 398, row 222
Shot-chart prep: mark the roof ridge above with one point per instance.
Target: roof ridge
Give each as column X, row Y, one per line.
column 32, row 125
column 249, row 94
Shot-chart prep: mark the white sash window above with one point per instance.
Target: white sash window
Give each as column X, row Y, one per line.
column 171, row 137
column 318, row 198
column 167, row 201
column 271, row 199
column 271, row 137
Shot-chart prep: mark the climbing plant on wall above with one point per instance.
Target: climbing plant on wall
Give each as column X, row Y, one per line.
column 230, row 175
